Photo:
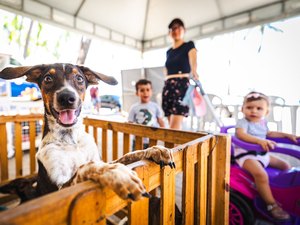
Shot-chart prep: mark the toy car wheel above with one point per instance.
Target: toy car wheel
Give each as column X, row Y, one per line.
column 240, row 213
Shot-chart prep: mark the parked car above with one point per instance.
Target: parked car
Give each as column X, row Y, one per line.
column 111, row 102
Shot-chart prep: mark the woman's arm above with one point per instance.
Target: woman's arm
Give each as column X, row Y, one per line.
column 193, row 63
column 165, row 71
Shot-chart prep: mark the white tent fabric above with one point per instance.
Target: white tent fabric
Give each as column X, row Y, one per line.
column 143, row 24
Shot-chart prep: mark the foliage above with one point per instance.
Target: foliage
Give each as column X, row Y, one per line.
column 30, row 35
column 13, row 28
column 61, row 39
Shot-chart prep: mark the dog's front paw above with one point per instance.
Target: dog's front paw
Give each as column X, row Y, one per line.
column 161, row 155
column 124, row 182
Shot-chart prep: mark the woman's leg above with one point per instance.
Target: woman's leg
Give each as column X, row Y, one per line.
column 176, row 122
column 261, row 179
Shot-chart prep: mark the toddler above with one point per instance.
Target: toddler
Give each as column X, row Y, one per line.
column 253, row 129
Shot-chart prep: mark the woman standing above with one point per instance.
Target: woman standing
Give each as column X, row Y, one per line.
column 181, row 62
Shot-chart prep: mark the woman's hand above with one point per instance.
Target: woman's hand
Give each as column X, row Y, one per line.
column 195, row 76
column 193, row 63
column 267, row 145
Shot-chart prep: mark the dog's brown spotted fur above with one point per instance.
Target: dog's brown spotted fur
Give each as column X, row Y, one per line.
column 67, row 154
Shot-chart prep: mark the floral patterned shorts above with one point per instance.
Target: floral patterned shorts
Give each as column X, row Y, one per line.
column 172, row 95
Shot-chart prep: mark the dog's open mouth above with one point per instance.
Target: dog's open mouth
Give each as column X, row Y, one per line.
column 66, row 117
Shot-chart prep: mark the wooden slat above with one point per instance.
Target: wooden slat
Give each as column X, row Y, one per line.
column 155, row 171
column 212, row 194
column 169, row 145
column 18, row 149
column 115, row 145
column 188, row 197
column 104, row 145
column 168, row 135
column 126, row 143
column 86, row 128
column 201, row 186
column 138, row 143
column 222, row 185
column 32, row 149
column 152, row 142
column 88, row 208
column 95, row 134
column 21, row 118
column 51, row 209
column 167, row 206
column 140, row 207
column 3, row 153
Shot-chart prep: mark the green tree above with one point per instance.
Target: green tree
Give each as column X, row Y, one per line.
column 28, row 36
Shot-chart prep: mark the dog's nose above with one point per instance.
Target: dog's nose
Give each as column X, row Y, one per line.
column 66, row 98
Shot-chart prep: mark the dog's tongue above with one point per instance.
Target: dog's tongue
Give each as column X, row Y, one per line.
column 67, row 116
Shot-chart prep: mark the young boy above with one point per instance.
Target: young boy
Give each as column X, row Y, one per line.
column 145, row 111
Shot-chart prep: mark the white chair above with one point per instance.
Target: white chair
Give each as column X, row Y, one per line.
column 276, row 111
column 208, row 122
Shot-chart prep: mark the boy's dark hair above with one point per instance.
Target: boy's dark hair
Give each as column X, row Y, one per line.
column 254, row 96
column 142, row 82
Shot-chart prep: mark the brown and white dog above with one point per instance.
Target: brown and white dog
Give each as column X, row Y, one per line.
column 67, row 154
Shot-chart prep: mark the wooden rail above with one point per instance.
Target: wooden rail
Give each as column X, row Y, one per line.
column 202, row 159
column 17, row 120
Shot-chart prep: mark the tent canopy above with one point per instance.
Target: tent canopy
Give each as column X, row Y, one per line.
column 142, row 24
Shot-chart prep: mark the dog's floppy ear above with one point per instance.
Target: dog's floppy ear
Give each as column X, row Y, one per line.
column 31, row 72
column 94, row 77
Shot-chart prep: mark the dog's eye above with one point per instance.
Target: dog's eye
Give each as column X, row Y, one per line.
column 48, row 79
column 79, row 79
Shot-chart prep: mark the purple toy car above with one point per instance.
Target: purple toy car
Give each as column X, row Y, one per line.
column 246, row 206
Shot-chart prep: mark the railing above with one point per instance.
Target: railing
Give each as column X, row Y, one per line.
column 17, row 120
column 202, row 159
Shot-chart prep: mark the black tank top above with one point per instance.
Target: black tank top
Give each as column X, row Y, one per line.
column 178, row 59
